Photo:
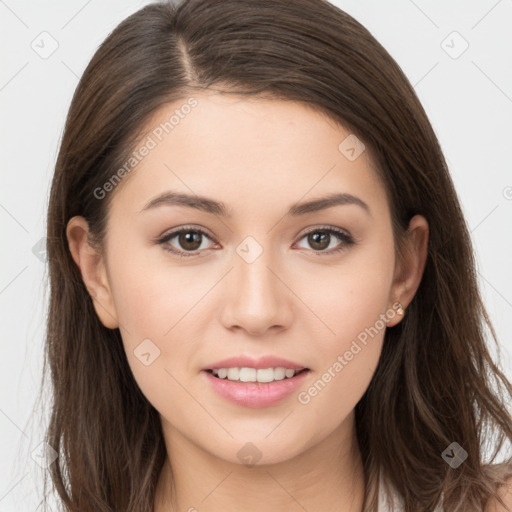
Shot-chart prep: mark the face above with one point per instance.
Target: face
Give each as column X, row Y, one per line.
column 259, row 278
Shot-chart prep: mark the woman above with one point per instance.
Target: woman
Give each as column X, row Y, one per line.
column 263, row 291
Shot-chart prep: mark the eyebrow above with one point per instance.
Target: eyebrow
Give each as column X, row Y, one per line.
column 214, row 207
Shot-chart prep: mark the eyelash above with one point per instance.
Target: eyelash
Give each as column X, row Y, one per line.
column 347, row 240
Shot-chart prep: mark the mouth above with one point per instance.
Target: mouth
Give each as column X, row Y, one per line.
column 255, row 376
column 248, row 389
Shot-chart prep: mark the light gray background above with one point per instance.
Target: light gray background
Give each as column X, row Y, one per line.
column 468, row 100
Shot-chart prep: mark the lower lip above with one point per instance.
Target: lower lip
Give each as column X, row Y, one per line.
column 255, row 394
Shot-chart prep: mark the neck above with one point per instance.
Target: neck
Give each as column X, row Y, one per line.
column 327, row 476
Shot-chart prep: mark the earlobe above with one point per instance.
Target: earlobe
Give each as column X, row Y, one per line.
column 93, row 270
column 409, row 271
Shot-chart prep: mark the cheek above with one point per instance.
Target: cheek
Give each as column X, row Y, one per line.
column 155, row 311
column 346, row 353
column 159, row 306
column 334, row 391
column 352, row 303
column 350, row 297
column 152, row 292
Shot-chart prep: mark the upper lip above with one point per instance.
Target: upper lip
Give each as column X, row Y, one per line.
column 258, row 363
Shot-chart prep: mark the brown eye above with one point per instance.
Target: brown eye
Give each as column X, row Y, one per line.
column 188, row 240
column 320, row 239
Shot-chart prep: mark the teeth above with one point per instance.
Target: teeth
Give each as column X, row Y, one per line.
column 254, row 375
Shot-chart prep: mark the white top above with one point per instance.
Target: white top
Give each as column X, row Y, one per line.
column 391, row 501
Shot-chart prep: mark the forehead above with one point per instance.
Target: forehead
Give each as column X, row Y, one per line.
column 249, row 153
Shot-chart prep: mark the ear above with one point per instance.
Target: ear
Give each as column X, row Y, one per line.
column 93, row 269
column 409, row 268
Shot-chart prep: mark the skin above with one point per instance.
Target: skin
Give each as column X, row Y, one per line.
column 258, row 156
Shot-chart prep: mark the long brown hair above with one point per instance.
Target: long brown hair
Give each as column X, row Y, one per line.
column 435, row 383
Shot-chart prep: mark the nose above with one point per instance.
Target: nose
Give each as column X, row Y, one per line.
column 257, row 298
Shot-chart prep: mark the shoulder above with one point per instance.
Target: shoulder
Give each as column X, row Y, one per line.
column 505, row 493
